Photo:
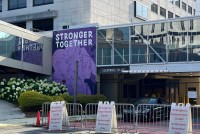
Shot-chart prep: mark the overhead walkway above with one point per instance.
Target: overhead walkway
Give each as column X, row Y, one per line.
column 24, row 50
column 152, row 46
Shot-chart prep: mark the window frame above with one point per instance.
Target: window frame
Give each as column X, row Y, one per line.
column 177, row 3
column 189, row 7
column 171, row 14
column 43, row 3
column 162, row 11
column 184, row 6
column 154, row 8
column 43, row 22
column 17, row 6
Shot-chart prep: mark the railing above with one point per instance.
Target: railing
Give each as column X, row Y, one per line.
column 145, row 118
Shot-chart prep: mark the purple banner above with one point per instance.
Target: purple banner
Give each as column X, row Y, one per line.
column 70, row 46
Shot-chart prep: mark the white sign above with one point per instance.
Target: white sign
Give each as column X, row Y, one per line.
column 56, row 115
column 180, row 119
column 192, row 94
column 106, row 117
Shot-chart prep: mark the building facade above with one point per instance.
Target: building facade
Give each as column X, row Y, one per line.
column 155, row 58
column 48, row 15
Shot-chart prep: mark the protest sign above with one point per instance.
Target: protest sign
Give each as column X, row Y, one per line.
column 106, row 117
column 180, row 119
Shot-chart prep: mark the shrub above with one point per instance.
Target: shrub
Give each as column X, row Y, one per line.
column 57, row 98
column 84, row 99
column 99, row 97
column 32, row 101
column 67, row 98
column 11, row 89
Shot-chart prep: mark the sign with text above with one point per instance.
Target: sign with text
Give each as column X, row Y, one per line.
column 106, row 117
column 72, row 46
column 180, row 119
column 56, row 115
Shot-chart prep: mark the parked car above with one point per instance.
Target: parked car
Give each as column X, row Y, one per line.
column 148, row 109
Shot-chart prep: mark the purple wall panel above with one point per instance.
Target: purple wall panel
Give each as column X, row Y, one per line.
column 70, row 46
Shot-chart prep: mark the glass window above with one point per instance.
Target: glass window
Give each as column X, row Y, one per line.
column 141, row 11
column 158, row 41
column 191, row 24
column 193, row 46
column 177, row 3
column 170, row 14
column 171, row 1
column 194, row 11
column 138, row 44
column 154, row 8
column 104, row 46
column 43, row 25
column 183, row 6
column 121, row 45
column 20, row 24
column 163, row 12
column 176, row 16
column 42, row 2
column 177, row 48
column 16, row 4
column 0, row 5
column 190, row 9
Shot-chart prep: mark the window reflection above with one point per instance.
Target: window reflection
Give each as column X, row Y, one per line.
column 158, row 41
column 194, row 35
column 121, row 45
column 175, row 41
column 20, row 49
column 104, row 48
column 177, row 47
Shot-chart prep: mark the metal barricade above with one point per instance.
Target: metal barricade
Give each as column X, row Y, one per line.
column 90, row 116
column 195, row 112
column 72, row 118
column 75, row 116
column 125, row 122
column 152, row 117
column 125, row 118
column 45, row 114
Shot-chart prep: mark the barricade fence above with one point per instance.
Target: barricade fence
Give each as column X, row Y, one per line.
column 151, row 117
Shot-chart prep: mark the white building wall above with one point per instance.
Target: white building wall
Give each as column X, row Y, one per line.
column 104, row 12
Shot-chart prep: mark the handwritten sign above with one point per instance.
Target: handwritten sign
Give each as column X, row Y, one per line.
column 56, row 115
column 180, row 119
column 106, row 117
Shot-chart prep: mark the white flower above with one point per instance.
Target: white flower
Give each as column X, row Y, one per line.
column 10, row 96
column 17, row 83
column 2, row 83
column 13, row 86
column 18, row 88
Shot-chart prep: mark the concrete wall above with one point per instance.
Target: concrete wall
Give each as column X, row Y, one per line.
column 74, row 12
column 23, row 33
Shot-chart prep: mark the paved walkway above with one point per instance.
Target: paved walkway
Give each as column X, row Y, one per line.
column 9, row 111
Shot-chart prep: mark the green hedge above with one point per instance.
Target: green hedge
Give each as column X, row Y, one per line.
column 67, row 98
column 84, row 99
column 32, row 101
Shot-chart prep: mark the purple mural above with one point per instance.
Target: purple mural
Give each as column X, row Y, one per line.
column 70, row 46
column 32, row 51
